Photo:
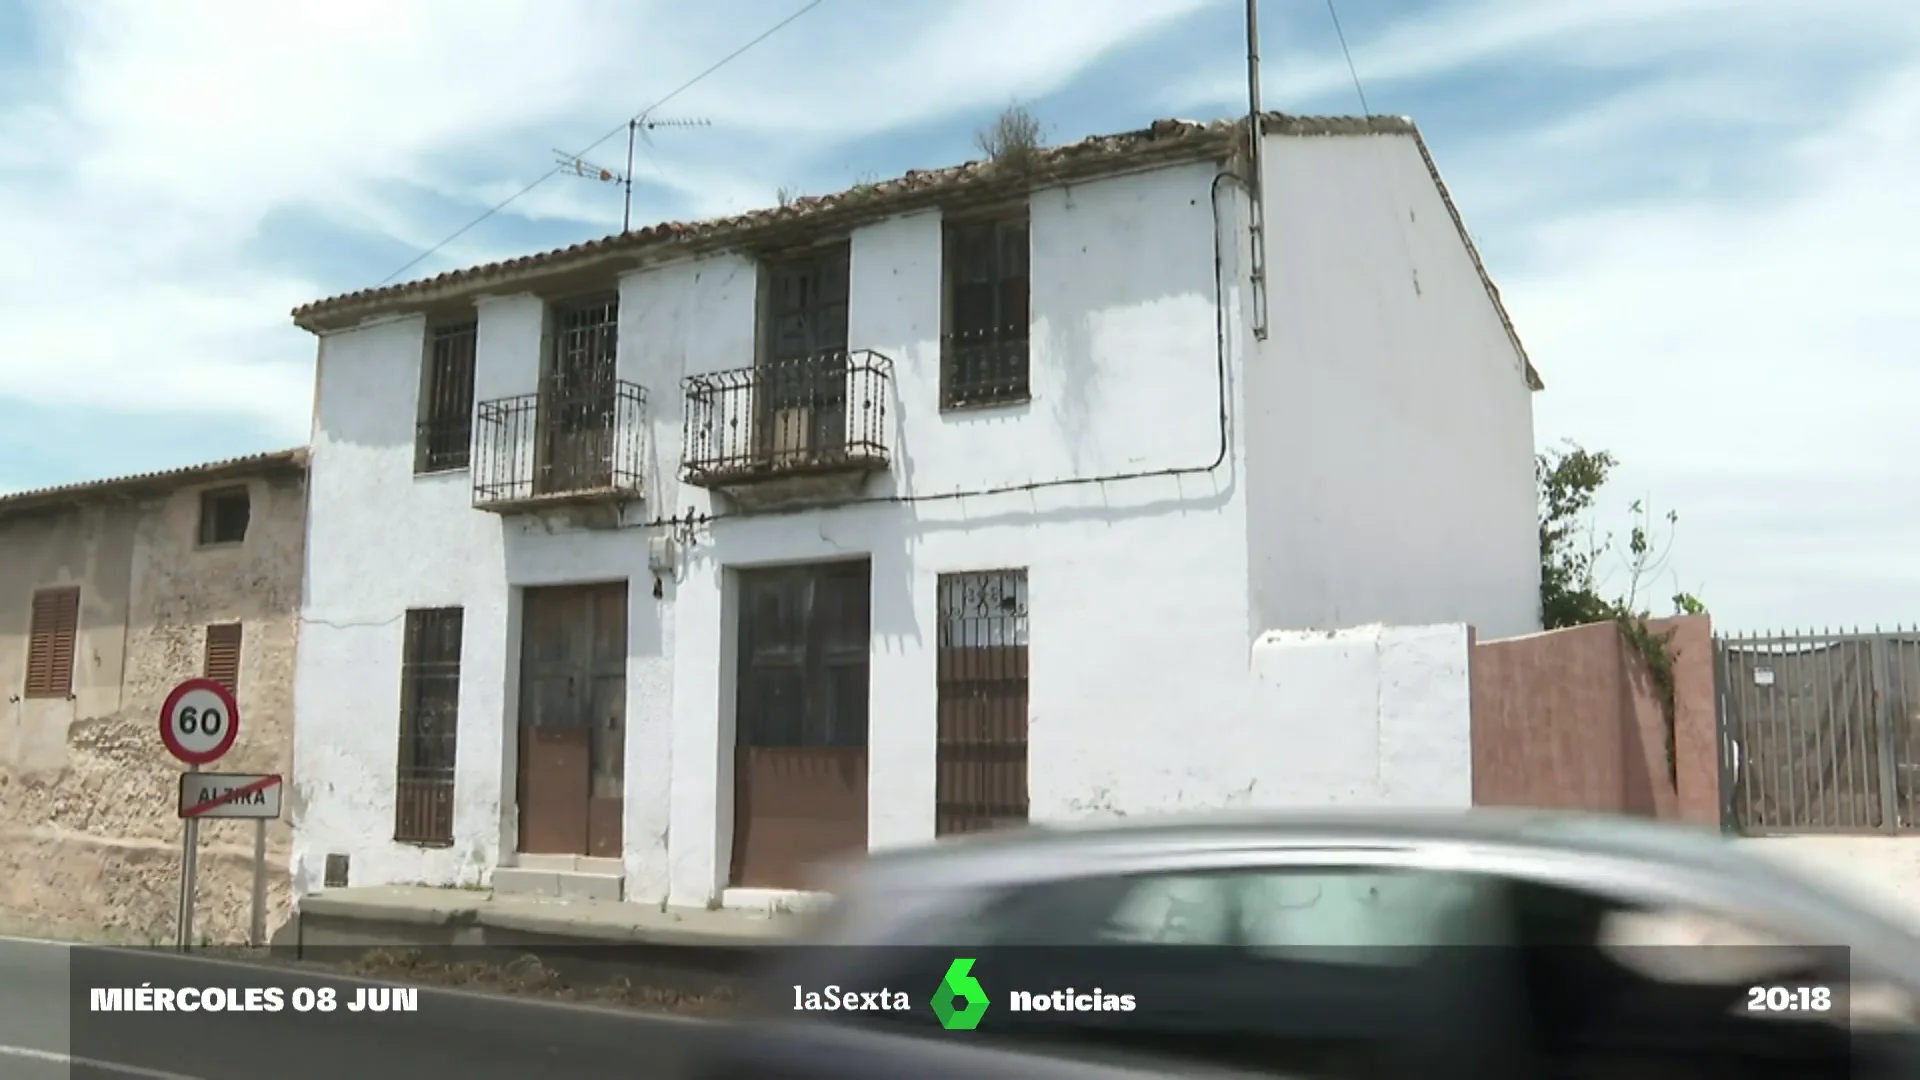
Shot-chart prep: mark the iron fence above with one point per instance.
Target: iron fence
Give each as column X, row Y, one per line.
column 981, row 745
column 1818, row 731
column 826, row 412
column 988, row 367
column 574, row 438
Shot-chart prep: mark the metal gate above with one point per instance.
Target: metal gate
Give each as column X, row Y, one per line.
column 1818, row 731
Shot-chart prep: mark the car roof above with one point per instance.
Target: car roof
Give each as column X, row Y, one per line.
column 1039, row 851
column 1686, row 851
column 1626, row 837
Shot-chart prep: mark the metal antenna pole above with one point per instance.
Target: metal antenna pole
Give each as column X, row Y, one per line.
column 626, row 212
column 1256, row 177
column 637, row 129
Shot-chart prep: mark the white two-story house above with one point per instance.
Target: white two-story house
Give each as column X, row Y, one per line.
column 660, row 566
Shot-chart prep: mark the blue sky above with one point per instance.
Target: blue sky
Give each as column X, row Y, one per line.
column 1698, row 210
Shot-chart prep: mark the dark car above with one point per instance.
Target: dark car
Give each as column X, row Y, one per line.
column 1336, row 945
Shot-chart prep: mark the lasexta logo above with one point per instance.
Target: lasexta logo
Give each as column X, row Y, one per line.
column 960, row 1002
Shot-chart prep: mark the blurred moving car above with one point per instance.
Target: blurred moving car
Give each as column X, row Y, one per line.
column 1483, row 943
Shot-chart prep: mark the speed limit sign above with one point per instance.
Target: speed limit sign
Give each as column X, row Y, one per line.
column 199, row 721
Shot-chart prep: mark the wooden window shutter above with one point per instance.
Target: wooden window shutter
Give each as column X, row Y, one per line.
column 223, row 655
column 51, row 639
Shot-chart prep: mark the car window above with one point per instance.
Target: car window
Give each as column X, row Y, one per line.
column 1690, row 946
column 1319, row 971
column 1334, row 915
column 1618, row 982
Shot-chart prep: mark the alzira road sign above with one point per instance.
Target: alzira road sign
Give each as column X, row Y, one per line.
column 229, row 795
column 199, row 721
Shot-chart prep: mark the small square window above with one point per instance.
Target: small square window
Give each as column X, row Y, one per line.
column 224, row 515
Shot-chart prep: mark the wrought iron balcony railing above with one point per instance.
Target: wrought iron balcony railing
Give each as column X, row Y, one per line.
column 575, row 440
column 805, row 416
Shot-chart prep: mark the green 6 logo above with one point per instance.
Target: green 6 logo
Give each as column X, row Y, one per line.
column 958, row 985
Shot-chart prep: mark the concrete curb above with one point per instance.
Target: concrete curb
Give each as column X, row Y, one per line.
column 669, row 960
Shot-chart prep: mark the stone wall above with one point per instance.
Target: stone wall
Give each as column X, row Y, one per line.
column 91, row 840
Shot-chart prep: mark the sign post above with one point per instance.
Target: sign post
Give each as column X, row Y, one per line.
column 257, row 926
column 198, row 725
column 237, row 795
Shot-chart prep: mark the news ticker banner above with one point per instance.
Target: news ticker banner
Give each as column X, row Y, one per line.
column 1309, row 992
column 1318, row 990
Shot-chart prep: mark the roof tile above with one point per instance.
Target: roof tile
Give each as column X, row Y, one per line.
column 1161, row 142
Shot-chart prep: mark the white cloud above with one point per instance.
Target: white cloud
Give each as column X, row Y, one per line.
column 1750, row 360
column 130, row 199
column 1743, row 347
column 1578, row 34
column 1710, row 261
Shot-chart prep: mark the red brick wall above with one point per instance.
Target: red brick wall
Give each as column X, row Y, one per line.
column 1570, row 719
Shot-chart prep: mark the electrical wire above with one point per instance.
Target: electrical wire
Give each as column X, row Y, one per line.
column 1334, row 14
column 1223, row 419
column 639, row 117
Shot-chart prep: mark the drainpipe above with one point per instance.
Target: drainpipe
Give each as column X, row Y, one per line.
column 1256, row 176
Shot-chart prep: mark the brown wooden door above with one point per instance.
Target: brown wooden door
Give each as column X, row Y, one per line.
column 577, row 400
column 573, row 705
column 800, row 745
column 802, row 418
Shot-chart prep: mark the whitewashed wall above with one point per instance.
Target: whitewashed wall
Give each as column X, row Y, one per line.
column 1369, row 716
column 1138, row 589
column 1388, row 414
column 1147, row 595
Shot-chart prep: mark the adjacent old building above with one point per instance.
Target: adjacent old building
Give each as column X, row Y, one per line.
column 661, row 566
column 111, row 593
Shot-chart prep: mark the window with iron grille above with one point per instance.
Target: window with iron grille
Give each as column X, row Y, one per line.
column 225, row 514
column 222, row 661
column 981, row 767
column 587, row 342
column 52, row 629
column 445, row 438
column 983, row 347
column 429, row 724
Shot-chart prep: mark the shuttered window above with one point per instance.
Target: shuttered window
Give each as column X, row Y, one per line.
column 222, row 664
column 50, row 642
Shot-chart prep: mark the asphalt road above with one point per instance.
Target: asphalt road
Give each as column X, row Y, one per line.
column 48, row 1029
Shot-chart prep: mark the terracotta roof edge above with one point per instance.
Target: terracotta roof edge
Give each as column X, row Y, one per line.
column 20, row 502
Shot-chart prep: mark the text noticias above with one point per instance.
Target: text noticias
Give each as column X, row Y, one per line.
column 1070, row 1000
column 299, row 999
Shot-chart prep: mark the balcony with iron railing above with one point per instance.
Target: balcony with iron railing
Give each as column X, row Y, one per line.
column 574, row 441
column 811, row 427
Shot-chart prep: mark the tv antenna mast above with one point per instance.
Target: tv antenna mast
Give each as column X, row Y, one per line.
column 637, row 129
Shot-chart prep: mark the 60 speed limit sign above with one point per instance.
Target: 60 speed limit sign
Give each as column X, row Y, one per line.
column 199, row 721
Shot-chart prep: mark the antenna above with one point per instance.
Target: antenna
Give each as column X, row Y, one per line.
column 637, row 128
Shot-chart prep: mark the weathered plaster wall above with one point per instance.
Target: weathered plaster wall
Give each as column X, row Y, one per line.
column 1369, row 716
column 1128, row 580
column 91, row 547
column 87, row 793
column 1387, row 393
